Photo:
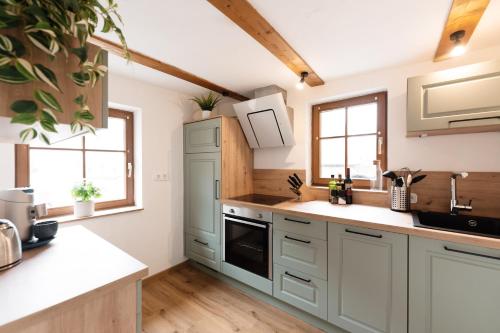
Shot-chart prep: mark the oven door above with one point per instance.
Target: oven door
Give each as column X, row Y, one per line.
column 247, row 244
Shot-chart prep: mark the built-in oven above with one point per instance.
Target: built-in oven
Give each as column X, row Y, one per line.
column 247, row 240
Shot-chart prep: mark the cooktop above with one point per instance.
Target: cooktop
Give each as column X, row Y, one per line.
column 261, row 199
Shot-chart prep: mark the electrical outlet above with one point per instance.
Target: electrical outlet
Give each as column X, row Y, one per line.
column 413, row 198
column 160, row 177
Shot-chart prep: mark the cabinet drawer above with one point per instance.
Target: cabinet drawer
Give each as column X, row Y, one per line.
column 300, row 226
column 202, row 136
column 204, row 250
column 299, row 252
column 300, row 290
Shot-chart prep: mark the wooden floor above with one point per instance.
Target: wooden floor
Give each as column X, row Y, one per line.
column 186, row 299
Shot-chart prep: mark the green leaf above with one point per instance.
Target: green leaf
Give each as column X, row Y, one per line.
column 81, row 53
column 4, row 60
column 24, row 118
column 48, row 115
column 81, row 79
column 26, row 69
column 48, row 125
column 45, row 139
column 48, row 99
column 47, row 76
column 28, row 134
column 80, row 100
column 10, row 74
column 84, row 115
column 24, row 106
column 6, row 44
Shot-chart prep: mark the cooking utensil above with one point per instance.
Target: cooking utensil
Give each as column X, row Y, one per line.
column 294, row 181
column 418, row 178
column 409, row 179
column 298, row 179
column 291, row 183
column 10, row 245
column 390, row 174
column 399, row 182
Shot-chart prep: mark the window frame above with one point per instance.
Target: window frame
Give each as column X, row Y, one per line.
column 22, row 160
column 381, row 99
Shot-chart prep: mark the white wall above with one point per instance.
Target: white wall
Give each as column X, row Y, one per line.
column 472, row 152
column 154, row 235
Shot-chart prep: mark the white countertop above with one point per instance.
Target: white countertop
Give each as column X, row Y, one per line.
column 74, row 264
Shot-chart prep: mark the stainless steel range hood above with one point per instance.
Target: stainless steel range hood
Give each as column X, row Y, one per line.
column 266, row 120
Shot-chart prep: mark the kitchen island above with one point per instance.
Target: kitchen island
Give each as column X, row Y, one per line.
column 77, row 283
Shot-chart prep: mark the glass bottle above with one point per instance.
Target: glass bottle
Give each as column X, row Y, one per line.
column 376, row 184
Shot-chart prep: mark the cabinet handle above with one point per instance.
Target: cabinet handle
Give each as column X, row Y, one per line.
column 362, row 233
column 200, row 242
column 471, row 253
column 298, row 240
column 217, row 137
column 217, row 189
column 297, row 221
column 298, row 278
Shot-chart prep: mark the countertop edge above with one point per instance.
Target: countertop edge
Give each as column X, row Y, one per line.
column 409, row 230
column 69, row 303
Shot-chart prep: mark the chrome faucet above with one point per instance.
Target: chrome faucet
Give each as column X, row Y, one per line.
column 455, row 207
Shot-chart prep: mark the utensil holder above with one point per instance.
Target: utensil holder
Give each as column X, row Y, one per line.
column 400, row 198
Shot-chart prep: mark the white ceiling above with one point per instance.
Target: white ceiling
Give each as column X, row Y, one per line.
column 336, row 37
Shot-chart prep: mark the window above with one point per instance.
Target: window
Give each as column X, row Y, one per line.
column 349, row 133
column 105, row 159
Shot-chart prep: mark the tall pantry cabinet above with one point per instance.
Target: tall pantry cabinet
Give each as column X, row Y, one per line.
column 218, row 164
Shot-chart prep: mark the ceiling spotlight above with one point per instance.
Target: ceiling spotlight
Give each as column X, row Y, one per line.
column 300, row 84
column 456, row 38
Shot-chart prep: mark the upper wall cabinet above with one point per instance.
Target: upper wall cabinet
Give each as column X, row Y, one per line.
column 459, row 100
column 203, row 137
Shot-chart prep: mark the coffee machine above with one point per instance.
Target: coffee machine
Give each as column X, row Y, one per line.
column 18, row 206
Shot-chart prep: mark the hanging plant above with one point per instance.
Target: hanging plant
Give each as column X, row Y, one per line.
column 53, row 27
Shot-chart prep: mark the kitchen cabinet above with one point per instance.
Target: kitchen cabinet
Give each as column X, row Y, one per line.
column 203, row 136
column 459, row 100
column 301, row 290
column 367, row 279
column 97, row 97
column 217, row 164
column 453, row 288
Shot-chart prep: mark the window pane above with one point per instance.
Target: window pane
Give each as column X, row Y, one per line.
column 332, row 123
column 332, row 157
column 362, row 151
column 73, row 143
column 112, row 138
column 53, row 173
column 362, row 119
column 107, row 171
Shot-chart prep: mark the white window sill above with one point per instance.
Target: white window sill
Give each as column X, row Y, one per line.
column 97, row 214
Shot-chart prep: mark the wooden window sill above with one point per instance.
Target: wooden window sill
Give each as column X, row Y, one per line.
column 97, row 214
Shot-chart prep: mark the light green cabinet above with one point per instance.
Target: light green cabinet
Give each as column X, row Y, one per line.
column 301, row 290
column 300, row 226
column 300, row 252
column 203, row 250
column 367, row 279
column 453, row 288
column 203, row 136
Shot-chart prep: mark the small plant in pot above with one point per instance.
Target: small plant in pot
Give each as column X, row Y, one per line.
column 207, row 104
column 83, row 195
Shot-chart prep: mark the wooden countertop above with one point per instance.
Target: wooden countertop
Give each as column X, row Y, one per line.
column 75, row 264
column 377, row 218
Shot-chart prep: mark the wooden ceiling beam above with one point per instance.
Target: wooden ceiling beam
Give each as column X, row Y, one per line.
column 247, row 18
column 464, row 15
column 165, row 68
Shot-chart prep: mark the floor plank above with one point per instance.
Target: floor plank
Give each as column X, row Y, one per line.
column 187, row 300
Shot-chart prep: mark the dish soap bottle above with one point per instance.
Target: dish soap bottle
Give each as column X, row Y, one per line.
column 376, row 184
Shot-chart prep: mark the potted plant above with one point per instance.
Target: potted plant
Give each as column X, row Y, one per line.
column 207, row 104
column 83, row 195
column 55, row 29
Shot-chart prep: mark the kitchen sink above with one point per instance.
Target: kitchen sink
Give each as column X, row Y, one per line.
column 475, row 225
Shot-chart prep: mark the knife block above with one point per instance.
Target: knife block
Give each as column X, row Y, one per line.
column 306, row 194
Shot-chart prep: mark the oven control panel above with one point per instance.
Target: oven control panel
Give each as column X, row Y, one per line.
column 251, row 213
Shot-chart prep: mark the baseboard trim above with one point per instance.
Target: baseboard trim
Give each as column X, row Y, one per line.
column 308, row 318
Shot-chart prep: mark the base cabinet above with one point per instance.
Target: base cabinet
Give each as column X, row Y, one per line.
column 454, row 288
column 367, row 280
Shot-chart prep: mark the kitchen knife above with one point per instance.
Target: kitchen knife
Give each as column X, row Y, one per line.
column 298, row 179
column 291, row 183
column 296, row 184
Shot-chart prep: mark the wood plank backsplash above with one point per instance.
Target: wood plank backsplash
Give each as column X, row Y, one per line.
column 434, row 192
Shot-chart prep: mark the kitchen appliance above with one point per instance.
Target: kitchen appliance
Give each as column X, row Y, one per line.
column 247, row 240
column 266, row 120
column 10, row 245
column 20, row 208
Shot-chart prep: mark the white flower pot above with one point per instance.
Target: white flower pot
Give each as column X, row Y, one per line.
column 205, row 114
column 84, row 208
